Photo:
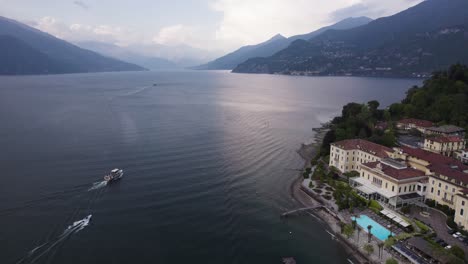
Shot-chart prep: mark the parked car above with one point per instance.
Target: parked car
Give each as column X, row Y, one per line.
column 448, row 247
column 465, row 241
column 451, row 231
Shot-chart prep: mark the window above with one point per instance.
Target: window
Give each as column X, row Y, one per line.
column 438, row 192
column 432, row 190
column 405, row 188
column 461, row 211
column 393, row 188
column 399, row 189
column 440, row 184
column 446, row 187
column 453, row 189
column 386, row 185
column 419, row 188
column 433, row 182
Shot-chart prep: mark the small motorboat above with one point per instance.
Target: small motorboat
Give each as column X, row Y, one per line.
column 114, row 175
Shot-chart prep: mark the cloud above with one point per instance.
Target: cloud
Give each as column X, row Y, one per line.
column 372, row 8
column 82, row 32
column 249, row 22
column 175, row 35
column 81, row 4
column 179, row 34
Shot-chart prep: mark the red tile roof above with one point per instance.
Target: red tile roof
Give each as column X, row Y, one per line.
column 364, row 145
column 447, row 139
column 398, row 174
column 440, row 164
column 416, row 122
column 451, row 172
column 431, row 157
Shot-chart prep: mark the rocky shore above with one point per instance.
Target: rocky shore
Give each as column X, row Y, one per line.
column 309, row 199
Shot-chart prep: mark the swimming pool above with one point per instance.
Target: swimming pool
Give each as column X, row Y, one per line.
column 377, row 230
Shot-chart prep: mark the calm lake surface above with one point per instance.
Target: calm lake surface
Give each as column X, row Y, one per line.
column 208, row 157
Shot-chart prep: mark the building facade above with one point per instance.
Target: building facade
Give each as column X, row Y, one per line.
column 462, row 155
column 446, row 146
column 446, row 131
column 413, row 123
column 447, row 177
column 390, row 182
column 348, row 155
column 461, row 211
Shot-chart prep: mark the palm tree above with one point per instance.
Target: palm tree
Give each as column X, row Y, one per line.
column 342, row 225
column 358, row 232
column 369, row 234
column 354, row 222
column 380, row 245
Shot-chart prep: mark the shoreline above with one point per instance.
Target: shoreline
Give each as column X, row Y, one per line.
column 307, row 199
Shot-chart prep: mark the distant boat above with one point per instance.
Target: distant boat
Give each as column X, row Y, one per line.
column 115, row 175
column 155, row 84
column 82, row 223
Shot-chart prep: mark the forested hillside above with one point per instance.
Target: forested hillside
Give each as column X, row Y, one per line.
column 443, row 99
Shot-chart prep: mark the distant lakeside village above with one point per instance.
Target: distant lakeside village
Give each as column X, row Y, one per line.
column 391, row 185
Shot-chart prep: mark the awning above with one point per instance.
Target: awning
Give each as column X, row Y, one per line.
column 369, row 188
column 395, row 218
column 391, row 216
column 384, row 212
column 365, row 189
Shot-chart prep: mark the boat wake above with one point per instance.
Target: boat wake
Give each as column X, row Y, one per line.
column 39, row 251
column 98, row 185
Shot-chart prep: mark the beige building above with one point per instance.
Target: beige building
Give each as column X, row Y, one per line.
column 413, row 123
column 348, row 155
column 391, row 182
column 446, row 131
column 448, row 177
column 446, row 146
column 461, row 212
column 462, row 155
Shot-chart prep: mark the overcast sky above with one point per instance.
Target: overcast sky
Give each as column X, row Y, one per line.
column 208, row 24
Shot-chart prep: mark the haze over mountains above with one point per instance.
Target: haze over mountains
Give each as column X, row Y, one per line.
column 25, row 50
column 114, row 51
column 427, row 37
column 413, row 43
column 273, row 45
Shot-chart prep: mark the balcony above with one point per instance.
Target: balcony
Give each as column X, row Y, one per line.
column 445, row 200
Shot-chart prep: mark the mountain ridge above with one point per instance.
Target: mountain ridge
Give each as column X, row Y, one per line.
column 71, row 58
column 273, row 45
column 407, row 44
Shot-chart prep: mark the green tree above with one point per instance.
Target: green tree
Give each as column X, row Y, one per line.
column 373, row 105
column 348, row 231
column 369, row 248
column 391, row 261
column 458, row 252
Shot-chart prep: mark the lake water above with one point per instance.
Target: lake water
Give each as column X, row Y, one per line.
column 208, row 157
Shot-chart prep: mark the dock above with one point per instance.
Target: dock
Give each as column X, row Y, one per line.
column 295, row 211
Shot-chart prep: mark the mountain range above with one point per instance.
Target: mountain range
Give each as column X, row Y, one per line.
column 273, row 45
column 26, row 50
column 415, row 42
column 125, row 54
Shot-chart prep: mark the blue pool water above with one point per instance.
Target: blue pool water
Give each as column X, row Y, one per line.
column 377, row 230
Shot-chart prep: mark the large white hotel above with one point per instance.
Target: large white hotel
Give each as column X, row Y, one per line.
column 400, row 176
